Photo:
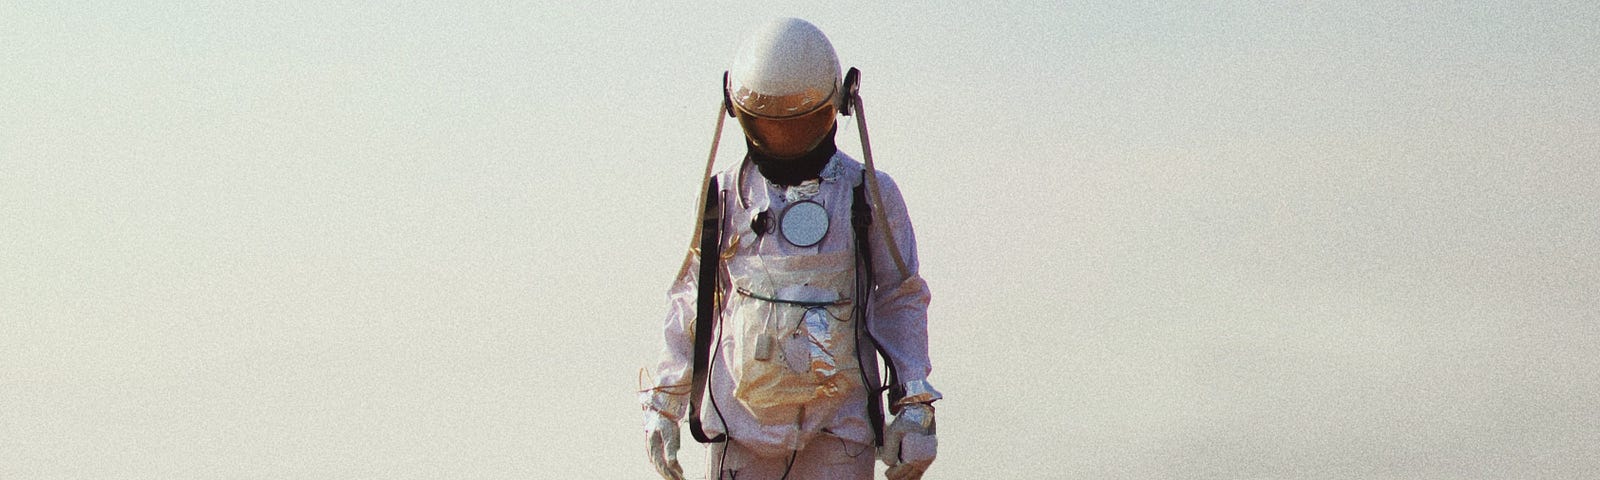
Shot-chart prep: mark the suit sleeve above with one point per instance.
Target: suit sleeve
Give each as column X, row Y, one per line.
column 670, row 394
column 899, row 303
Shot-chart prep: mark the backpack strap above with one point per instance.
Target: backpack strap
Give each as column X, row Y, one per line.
column 706, row 309
column 861, row 220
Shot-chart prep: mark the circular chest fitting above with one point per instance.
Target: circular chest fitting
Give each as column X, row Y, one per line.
column 804, row 223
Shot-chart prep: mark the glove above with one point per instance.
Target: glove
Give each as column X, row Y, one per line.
column 910, row 442
column 662, row 435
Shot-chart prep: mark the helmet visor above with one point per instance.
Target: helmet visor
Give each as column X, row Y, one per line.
column 789, row 137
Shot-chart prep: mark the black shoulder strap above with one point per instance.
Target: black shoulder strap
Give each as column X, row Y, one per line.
column 861, row 220
column 706, row 307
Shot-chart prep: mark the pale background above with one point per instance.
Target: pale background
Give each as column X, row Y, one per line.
column 432, row 239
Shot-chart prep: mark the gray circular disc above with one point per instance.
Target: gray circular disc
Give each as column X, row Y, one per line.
column 804, row 223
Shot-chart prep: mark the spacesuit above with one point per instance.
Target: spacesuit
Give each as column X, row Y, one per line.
column 815, row 279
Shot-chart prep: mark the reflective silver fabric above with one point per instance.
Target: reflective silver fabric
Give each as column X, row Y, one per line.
column 792, row 333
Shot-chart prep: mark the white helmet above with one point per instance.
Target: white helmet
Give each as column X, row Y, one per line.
column 785, row 69
column 785, row 87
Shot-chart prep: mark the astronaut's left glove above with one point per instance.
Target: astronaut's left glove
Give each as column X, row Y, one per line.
column 662, row 410
column 661, row 440
column 910, row 443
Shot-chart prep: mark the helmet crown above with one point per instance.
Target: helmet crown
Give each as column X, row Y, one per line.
column 785, row 69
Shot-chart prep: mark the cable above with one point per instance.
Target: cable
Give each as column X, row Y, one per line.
column 712, row 393
column 723, row 460
column 789, row 466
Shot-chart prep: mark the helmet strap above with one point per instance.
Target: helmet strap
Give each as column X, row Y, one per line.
column 705, row 183
column 852, row 92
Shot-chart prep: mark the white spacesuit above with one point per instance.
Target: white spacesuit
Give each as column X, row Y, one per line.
column 815, row 278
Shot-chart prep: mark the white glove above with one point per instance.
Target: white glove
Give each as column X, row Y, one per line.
column 910, row 442
column 662, row 435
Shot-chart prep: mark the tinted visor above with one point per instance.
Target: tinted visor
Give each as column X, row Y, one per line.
column 789, row 137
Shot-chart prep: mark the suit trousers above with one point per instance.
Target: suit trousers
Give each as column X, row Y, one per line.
column 825, row 457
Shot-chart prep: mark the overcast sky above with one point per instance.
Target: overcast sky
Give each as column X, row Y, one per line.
column 432, row 239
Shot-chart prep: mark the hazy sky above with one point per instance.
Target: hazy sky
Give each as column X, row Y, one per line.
column 432, row 239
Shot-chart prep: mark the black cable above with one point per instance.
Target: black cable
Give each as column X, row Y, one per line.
column 861, row 221
column 723, row 460
column 712, row 393
column 789, row 466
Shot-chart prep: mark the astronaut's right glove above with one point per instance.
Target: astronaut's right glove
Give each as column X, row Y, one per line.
column 662, row 435
column 910, row 443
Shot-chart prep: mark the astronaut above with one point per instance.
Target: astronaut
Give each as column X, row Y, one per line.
column 803, row 272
